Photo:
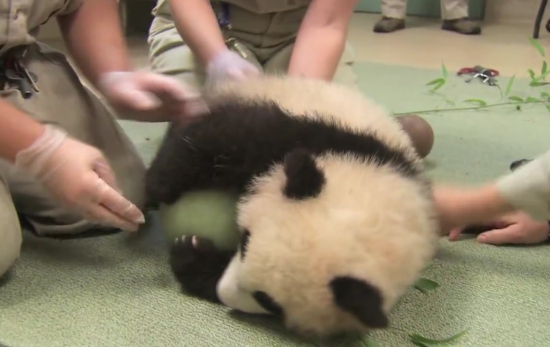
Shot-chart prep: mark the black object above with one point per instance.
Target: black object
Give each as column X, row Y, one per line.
column 517, row 163
column 538, row 20
column 12, row 72
column 23, row 85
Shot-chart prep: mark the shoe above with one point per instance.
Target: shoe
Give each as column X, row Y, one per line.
column 463, row 26
column 388, row 25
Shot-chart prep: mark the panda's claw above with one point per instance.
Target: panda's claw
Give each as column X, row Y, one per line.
column 198, row 265
column 179, row 239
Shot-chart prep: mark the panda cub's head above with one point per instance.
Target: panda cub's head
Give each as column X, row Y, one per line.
column 329, row 244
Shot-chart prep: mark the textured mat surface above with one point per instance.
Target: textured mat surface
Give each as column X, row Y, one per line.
column 117, row 291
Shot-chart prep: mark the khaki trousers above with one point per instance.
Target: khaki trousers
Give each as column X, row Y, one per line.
column 65, row 102
column 450, row 9
column 266, row 39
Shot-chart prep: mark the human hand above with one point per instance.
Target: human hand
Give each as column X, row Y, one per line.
column 151, row 97
column 514, row 228
column 79, row 176
column 449, row 202
column 229, row 65
column 459, row 207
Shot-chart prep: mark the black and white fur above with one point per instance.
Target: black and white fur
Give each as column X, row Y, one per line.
column 336, row 213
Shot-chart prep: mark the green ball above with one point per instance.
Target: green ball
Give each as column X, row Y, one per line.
column 209, row 214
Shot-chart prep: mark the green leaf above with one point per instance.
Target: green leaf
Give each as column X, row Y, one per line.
column 450, row 102
column 548, row 108
column 426, row 342
column 532, row 99
column 370, row 343
column 536, row 83
column 531, row 73
column 516, row 98
column 444, row 71
column 544, row 95
column 538, row 46
column 425, row 285
column 544, row 69
column 476, row 101
column 510, row 84
column 436, row 81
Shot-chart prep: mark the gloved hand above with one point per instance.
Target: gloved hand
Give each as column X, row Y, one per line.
column 79, row 176
column 229, row 65
column 151, row 97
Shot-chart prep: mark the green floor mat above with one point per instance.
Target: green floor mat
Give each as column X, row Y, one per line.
column 117, row 290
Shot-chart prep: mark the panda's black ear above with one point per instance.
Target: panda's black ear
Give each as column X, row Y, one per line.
column 304, row 179
column 360, row 299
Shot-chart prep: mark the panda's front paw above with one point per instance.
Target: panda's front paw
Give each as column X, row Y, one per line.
column 182, row 251
column 198, row 265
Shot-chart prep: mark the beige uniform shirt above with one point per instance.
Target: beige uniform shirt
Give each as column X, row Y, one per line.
column 255, row 6
column 20, row 20
column 528, row 188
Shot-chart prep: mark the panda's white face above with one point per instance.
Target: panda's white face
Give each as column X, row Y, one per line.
column 233, row 295
column 332, row 253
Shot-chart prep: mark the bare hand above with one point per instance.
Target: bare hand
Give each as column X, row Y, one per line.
column 513, row 228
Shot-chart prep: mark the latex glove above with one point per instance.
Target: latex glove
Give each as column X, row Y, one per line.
column 513, row 228
column 229, row 65
column 80, row 177
column 151, row 97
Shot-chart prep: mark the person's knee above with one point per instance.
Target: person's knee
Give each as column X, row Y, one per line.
column 169, row 55
column 10, row 247
column 10, row 232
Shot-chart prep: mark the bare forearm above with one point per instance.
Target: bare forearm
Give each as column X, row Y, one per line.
column 322, row 39
column 94, row 37
column 317, row 53
column 17, row 131
column 197, row 24
column 483, row 204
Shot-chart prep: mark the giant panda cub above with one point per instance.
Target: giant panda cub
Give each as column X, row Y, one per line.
column 335, row 213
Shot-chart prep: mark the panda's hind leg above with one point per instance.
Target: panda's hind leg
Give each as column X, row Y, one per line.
column 198, row 266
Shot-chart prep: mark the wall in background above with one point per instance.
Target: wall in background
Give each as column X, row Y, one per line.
column 522, row 11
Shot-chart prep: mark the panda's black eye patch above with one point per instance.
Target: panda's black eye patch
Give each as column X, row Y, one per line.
column 268, row 303
column 244, row 243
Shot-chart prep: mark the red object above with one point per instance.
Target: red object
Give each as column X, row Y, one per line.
column 478, row 69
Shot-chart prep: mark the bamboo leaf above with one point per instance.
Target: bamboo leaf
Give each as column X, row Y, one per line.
column 425, row 285
column 516, row 98
column 436, row 81
column 538, row 46
column 426, row 342
column 548, row 108
column 450, row 102
column 536, row 83
column 437, row 84
column 510, row 84
column 532, row 99
column 370, row 343
column 531, row 73
column 544, row 69
column 476, row 101
column 444, row 71
column 437, row 87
